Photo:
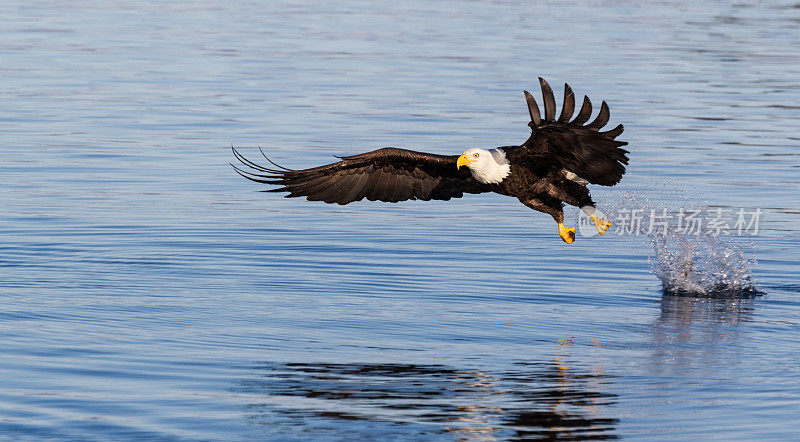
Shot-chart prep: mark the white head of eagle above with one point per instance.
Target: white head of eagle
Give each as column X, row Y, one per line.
column 486, row 166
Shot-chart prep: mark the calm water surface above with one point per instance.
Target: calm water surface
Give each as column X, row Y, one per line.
column 147, row 291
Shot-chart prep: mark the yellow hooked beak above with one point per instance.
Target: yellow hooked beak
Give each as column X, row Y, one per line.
column 463, row 160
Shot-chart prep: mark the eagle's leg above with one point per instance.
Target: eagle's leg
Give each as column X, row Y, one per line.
column 555, row 209
column 566, row 233
column 600, row 224
column 577, row 195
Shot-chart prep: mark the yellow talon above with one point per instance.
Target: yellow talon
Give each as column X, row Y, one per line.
column 566, row 233
column 601, row 224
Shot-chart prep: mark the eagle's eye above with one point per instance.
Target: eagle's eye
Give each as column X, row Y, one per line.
column 476, row 155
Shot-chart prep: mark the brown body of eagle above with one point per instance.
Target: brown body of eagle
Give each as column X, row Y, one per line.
column 550, row 168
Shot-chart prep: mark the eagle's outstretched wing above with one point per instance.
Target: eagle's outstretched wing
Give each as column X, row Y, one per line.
column 387, row 174
column 577, row 147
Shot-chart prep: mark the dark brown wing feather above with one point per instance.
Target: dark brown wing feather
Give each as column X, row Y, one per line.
column 583, row 149
column 387, row 174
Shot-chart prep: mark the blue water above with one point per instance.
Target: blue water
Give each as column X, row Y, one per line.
column 147, row 291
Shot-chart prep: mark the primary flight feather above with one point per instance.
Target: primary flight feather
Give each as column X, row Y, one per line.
column 552, row 167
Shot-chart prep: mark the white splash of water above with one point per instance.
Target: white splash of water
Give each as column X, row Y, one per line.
column 702, row 265
column 695, row 264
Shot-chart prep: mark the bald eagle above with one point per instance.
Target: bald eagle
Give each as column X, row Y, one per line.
column 552, row 167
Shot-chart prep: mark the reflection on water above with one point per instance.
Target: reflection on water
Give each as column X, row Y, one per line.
column 687, row 310
column 699, row 332
column 536, row 400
